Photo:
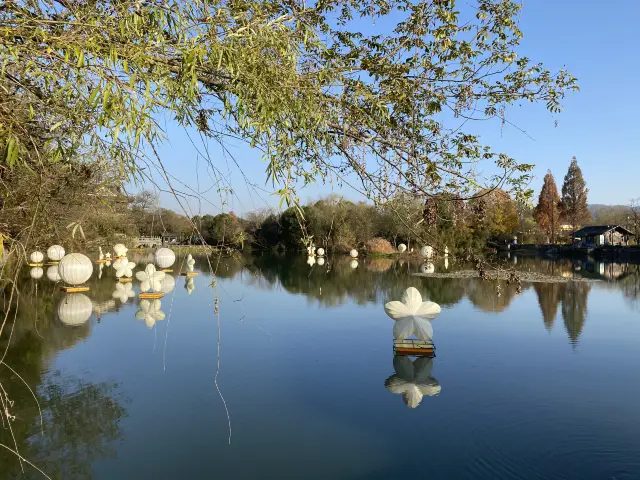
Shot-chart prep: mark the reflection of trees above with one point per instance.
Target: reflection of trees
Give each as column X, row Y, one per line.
column 574, row 308
column 491, row 296
column 549, row 297
column 80, row 418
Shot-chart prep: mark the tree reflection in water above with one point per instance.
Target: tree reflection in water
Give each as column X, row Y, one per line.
column 80, row 419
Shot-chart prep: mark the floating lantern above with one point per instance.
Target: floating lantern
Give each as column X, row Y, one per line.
column 189, row 285
column 36, row 257
column 75, row 309
column 427, row 251
column 150, row 312
column 53, row 274
column 107, row 257
column 320, row 252
column 75, row 269
column 123, row 292
column 446, row 264
column 402, row 248
column 354, row 253
column 150, row 279
column 354, row 263
column 165, row 257
column 167, row 284
column 320, row 261
column 55, row 253
column 412, row 380
column 120, row 250
column 446, row 251
column 427, row 268
column 311, row 260
column 412, row 316
column 124, row 268
column 100, row 268
column 100, row 255
column 36, row 273
column 190, row 261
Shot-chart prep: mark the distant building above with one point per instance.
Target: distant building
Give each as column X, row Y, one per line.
column 597, row 235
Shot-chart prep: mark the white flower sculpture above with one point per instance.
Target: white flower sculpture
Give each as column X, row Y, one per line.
column 150, row 278
column 412, row 380
column 107, row 256
column 101, row 254
column 100, row 268
column 412, row 316
column 150, row 312
column 124, row 268
column 123, row 292
column 190, row 262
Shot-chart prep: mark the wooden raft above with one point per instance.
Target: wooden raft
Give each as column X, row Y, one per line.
column 36, row 264
column 125, row 280
column 418, row 348
column 166, row 270
column 189, row 274
column 74, row 289
column 150, row 295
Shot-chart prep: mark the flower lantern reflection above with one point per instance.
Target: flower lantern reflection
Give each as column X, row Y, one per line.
column 412, row 380
column 150, row 312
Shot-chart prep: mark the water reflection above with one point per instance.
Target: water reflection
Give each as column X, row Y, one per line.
column 150, row 312
column 412, row 379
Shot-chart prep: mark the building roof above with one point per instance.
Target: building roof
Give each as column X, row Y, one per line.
column 600, row 230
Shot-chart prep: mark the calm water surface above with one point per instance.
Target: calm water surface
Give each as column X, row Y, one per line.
column 540, row 385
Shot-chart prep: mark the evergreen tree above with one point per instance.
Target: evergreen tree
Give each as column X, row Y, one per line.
column 573, row 205
column 547, row 212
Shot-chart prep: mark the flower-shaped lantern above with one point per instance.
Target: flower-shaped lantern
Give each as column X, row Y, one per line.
column 190, row 262
column 311, row 260
column 124, row 268
column 120, row 250
column 150, row 312
column 412, row 380
column 412, row 316
column 150, row 279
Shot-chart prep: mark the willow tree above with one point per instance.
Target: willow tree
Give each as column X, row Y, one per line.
column 299, row 81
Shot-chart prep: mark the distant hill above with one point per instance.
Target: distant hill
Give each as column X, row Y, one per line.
column 608, row 214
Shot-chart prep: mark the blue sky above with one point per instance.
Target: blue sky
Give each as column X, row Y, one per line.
column 598, row 43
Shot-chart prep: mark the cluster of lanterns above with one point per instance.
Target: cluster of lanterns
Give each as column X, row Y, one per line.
column 75, row 269
column 315, row 255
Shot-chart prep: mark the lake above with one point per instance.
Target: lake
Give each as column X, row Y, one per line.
column 281, row 369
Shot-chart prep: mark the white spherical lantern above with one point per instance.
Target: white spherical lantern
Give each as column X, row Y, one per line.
column 75, row 309
column 320, row 252
column 120, row 250
column 427, row 251
column 55, row 253
column 427, row 268
column 36, row 257
column 354, row 253
column 168, row 283
column 36, row 273
column 53, row 274
column 320, row 261
column 402, row 248
column 75, row 269
column 354, row 263
column 165, row 257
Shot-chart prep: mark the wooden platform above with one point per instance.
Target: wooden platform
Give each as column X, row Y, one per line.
column 74, row 289
column 151, row 295
column 36, row 264
column 418, row 348
column 167, row 270
column 100, row 261
column 189, row 274
column 125, row 280
column 53, row 263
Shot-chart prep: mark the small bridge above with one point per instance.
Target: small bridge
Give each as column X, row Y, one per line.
column 148, row 242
